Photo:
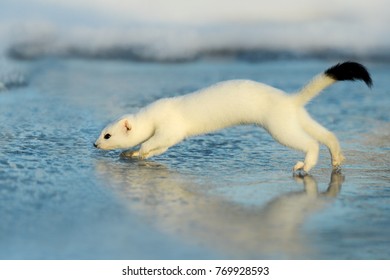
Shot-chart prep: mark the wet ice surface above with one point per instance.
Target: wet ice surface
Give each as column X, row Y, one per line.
column 227, row 195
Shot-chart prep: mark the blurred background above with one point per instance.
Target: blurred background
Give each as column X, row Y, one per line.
column 174, row 30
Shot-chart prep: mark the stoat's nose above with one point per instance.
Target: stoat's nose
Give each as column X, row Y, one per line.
column 94, row 144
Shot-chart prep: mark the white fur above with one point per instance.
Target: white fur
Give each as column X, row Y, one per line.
column 168, row 121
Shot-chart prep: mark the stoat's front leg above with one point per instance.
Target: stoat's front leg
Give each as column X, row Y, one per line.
column 130, row 154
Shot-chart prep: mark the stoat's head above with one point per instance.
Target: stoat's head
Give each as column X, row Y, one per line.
column 118, row 135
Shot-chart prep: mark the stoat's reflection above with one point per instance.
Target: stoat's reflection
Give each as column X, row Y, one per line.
column 176, row 205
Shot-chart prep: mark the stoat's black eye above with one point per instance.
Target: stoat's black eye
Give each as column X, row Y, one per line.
column 107, row 136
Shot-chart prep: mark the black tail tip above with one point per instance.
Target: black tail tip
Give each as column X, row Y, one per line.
column 349, row 71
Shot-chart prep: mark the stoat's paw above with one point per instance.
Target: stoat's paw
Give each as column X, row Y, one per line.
column 298, row 166
column 130, row 154
column 337, row 161
column 143, row 155
column 299, row 169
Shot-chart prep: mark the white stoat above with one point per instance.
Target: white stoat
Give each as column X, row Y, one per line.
column 168, row 121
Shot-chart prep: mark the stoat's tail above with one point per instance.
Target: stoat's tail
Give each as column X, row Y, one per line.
column 339, row 72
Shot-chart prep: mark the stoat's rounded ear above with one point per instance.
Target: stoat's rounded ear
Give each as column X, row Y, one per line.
column 127, row 125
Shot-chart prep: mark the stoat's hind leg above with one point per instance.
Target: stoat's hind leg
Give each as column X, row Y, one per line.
column 311, row 149
column 324, row 136
column 293, row 136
